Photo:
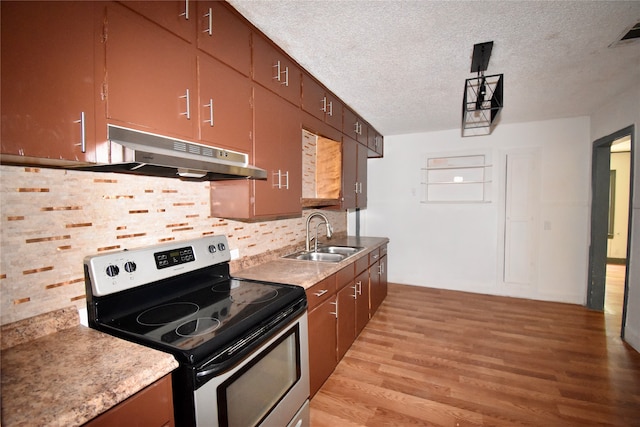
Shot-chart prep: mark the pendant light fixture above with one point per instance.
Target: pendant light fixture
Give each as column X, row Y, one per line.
column 482, row 100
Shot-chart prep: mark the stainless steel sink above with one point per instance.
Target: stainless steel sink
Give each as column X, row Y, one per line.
column 317, row 256
column 326, row 254
column 342, row 250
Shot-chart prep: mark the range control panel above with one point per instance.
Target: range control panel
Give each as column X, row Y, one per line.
column 119, row 271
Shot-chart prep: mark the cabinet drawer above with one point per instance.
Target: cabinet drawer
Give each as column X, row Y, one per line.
column 152, row 406
column 374, row 256
column 361, row 265
column 321, row 291
column 345, row 276
column 383, row 250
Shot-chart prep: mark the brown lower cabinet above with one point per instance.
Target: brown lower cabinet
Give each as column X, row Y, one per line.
column 150, row 407
column 339, row 308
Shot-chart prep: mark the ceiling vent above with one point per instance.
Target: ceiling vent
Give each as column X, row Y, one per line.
column 630, row 35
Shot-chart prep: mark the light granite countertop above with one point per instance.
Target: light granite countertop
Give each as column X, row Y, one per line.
column 308, row 273
column 69, row 376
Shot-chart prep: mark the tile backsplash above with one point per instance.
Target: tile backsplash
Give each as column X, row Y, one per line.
column 52, row 218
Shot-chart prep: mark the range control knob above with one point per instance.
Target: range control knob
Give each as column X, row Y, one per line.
column 221, row 246
column 130, row 266
column 212, row 249
column 112, row 270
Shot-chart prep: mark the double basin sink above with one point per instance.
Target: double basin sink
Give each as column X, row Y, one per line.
column 326, row 254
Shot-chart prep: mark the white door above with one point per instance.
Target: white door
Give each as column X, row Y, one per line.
column 521, row 201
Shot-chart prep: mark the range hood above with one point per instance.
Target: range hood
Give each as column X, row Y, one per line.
column 143, row 153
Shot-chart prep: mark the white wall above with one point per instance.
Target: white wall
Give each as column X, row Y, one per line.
column 457, row 246
column 617, row 114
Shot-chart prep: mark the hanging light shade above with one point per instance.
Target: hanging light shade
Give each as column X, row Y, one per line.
column 482, row 100
column 481, row 104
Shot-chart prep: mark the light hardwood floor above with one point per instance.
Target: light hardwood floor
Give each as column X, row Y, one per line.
column 444, row 358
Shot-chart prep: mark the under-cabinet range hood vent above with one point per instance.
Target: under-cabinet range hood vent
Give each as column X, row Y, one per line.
column 143, row 153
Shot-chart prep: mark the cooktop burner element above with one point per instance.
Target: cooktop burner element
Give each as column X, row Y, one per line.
column 199, row 326
column 167, row 313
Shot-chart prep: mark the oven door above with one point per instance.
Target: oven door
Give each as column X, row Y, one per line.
column 270, row 387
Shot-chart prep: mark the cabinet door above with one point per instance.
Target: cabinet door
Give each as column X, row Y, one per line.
column 278, row 150
column 362, row 301
column 222, row 34
column 175, row 16
column 48, row 79
column 224, row 106
column 275, row 71
column 349, row 172
column 374, row 142
column 354, row 127
column 151, row 82
column 334, row 111
column 322, row 343
column 313, row 97
column 377, row 293
column 361, row 168
column 383, row 278
column 346, row 318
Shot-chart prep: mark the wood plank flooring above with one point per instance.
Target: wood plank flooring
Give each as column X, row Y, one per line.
column 442, row 358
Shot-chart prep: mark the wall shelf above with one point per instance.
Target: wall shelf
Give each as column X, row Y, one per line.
column 457, row 179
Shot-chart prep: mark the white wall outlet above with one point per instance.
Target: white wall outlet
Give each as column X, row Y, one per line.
column 234, row 253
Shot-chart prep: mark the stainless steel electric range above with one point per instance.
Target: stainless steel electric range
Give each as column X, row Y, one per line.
column 241, row 344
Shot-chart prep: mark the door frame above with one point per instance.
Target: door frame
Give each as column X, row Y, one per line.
column 600, row 181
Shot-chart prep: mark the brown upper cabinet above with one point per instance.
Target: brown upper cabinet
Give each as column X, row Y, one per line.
column 277, row 149
column 222, row 34
column 321, row 103
column 224, row 103
column 149, row 87
column 175, row 16
column 354, row 174
column 174, row 90
column 274, row 70
column 48, row 81
column 374, row 142
column 354, row 127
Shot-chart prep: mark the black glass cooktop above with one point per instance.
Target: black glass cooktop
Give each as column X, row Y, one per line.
column 206, row 318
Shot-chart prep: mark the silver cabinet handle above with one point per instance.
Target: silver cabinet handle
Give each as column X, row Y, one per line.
column 376, row 256
column 278, row 73
column 335, row 312
column 210, row 106
column 356, row 188
column 188, row 100
column 83, row 133
column 209, row 15
column 381, row 268
column 359, row 287
column 330, row 108
column 186, row 10
column 280, row 174
column 324, row 104
column 320, row 293
column 355, row 292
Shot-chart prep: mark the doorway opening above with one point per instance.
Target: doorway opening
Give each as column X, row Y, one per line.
column 610, row 217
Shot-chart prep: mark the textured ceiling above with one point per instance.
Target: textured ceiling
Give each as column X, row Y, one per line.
column 402, row 64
